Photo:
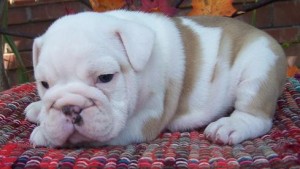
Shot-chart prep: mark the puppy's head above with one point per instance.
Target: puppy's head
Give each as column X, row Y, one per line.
column 85, row 68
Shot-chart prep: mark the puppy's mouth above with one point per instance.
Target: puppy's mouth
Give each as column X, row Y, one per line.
column 85, row 119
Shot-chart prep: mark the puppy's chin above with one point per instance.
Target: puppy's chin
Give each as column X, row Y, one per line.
column 79, row 140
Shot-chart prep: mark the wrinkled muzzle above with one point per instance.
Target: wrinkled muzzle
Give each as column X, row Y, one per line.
column 75, row 113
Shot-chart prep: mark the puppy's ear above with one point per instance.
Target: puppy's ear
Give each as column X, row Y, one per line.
column 36, row 48
column 138, row 41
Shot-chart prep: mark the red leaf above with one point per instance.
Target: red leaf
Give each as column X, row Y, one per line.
column 158, row 6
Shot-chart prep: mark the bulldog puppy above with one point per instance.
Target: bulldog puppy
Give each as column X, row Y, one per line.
column 122, row 77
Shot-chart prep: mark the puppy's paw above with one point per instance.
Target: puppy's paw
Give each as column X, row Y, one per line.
column 32, row 111
column 37, row 137
column 237, row 128
column 225, row 131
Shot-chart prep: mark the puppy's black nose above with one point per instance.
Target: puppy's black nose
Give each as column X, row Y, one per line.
column 71, row 109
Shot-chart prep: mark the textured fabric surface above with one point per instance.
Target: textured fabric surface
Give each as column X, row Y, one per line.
column 279, row 148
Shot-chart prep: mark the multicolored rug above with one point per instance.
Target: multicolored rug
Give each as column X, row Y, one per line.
column 280, row 148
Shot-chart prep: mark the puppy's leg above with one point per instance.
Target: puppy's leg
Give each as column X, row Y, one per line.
column 251, row 118
column 253, row 113
column 255, row 104
column 32, row 111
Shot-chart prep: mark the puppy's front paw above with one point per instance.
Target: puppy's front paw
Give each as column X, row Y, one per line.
column 225, row 131
column 237, row 128
column 32, row 111
column 37, row 137
column 53, row 131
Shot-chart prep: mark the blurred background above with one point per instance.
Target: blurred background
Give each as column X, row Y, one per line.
column 22, row 20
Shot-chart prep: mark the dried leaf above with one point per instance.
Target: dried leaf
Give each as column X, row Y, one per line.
column 212, row 7
column 164, row 7
column 158, row 6
column 106, row 5
column 149, row 6
column 292, row 71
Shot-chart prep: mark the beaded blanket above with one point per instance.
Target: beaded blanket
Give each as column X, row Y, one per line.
column 280, row 148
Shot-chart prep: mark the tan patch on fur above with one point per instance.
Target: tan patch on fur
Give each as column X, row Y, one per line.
column 153, row 127
column 192, row 49
column 235, row 33
column 193, row 60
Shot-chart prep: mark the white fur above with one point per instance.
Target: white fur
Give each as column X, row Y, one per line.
column 146, row 55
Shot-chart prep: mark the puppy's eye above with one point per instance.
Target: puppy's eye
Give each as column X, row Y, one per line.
column 45, row 84
column 105, row 78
